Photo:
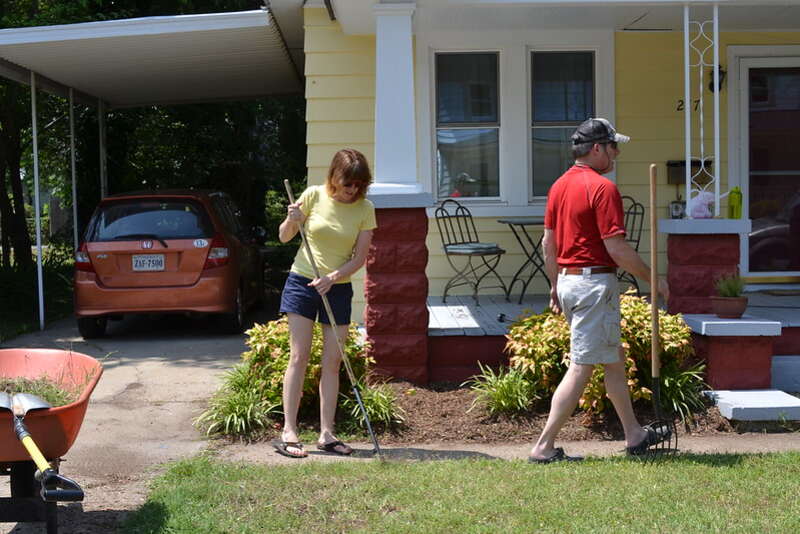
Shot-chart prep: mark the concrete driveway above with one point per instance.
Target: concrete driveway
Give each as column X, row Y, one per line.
column 158, row 374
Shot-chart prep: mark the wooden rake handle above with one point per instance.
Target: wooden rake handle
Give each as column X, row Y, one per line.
column 655, row 350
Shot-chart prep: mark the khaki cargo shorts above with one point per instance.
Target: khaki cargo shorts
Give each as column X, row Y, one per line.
column 590, row 303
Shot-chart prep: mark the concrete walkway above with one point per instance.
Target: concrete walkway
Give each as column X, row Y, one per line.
column 747, row 443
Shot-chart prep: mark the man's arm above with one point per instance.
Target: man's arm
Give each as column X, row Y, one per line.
column 628, row 259
column 551, row 267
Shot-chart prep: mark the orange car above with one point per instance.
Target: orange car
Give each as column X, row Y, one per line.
column 166, row 252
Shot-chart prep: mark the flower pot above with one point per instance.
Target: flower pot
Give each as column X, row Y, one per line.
column 728, row 307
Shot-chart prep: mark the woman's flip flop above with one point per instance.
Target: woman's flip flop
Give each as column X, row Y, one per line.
column 282, row 448
column 336, row 447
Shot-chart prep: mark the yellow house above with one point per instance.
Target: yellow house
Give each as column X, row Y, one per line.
column 475, row 100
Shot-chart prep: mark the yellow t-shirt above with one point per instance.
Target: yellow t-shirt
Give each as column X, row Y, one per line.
column 332, row 228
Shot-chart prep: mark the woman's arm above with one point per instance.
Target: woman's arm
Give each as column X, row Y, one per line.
column 292, row 223
column 358, row 259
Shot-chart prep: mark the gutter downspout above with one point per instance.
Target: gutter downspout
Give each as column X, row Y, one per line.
column 329, row 7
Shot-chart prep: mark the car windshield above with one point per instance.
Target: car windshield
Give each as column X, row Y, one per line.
column 156, row 219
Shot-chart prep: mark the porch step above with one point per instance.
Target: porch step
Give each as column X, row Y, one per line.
column 786, row 372
column 756, row 405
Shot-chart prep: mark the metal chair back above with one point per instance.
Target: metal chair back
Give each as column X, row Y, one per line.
column 455, row 224
column 634, row 220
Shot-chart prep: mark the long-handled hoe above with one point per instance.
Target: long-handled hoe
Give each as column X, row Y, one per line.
column 348, row 368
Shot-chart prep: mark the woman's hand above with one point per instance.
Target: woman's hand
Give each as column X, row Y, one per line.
column 323, row 284
column 295, row 214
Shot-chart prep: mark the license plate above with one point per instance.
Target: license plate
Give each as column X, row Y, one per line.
column 148, row 262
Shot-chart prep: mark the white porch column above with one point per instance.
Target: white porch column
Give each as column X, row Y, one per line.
column 395, row 129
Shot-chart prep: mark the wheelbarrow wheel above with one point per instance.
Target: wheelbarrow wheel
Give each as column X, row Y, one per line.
column 91, row 327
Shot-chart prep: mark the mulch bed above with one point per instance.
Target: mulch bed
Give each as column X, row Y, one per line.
column 439, row 413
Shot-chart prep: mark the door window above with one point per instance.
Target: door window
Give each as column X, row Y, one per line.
column 774, row 172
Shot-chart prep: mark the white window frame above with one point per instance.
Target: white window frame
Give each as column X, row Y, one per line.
column 460, row 126
column 541, row 200
column 514, row 49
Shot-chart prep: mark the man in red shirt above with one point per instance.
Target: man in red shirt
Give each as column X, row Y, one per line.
column 584, row 243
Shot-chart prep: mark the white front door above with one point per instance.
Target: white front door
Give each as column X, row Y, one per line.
column 769, row 112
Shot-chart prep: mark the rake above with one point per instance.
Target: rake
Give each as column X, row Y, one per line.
column 345, row 359
column 660, row 425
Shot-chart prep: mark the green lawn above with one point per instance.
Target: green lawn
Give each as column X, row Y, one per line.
column 692, row 493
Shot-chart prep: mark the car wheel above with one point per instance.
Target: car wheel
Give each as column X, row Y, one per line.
column 91, row 327
column 233, row 323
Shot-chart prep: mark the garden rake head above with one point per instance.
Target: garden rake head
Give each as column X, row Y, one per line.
column 663, row 429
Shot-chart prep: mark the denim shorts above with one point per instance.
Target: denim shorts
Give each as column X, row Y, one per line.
column 591, row 305
column 298, row 297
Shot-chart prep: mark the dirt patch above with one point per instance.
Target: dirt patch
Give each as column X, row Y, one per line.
column 440, row 413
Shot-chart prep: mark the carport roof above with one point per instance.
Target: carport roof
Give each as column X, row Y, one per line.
column 160, row 60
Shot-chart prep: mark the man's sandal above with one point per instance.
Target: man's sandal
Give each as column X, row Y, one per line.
column 282, row 448
column 654, row 437
column 558, row 456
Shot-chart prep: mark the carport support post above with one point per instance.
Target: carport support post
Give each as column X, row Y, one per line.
column 72, row 163
column 36, row 200
column 101, row 121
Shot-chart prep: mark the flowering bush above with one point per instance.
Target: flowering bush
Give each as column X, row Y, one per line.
column 539, row 346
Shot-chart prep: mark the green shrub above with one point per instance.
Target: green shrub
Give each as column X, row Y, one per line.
column 252, row 391
column 380, row 404
column 729, row 286
column 506, row 392
column 237, row 408
column 539, row 346
column 682, row 389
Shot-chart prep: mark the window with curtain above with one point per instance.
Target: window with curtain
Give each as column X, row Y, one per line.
column 562, row 96
column 467, row 124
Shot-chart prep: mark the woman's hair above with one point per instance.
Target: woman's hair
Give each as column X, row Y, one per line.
column 348, row 165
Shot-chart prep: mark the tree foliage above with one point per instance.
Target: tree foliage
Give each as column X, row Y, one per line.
column 245, row 148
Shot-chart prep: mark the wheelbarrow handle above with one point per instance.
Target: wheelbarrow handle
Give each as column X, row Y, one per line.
column 27, row 441
column 58, row 488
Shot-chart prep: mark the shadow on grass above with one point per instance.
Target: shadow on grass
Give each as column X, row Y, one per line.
column 413, row 454
column 671, row 457
column 150, row 518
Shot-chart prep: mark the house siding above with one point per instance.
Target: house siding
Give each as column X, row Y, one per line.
column 649, row 83
column 340, row 86
column 340, row 104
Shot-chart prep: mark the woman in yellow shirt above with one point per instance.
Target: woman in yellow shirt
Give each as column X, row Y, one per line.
column 338, row 223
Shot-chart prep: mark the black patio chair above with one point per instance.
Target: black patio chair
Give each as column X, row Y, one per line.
column 471, row 259
column 634, row 221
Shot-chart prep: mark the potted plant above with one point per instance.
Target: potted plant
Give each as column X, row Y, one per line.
column 729, row 303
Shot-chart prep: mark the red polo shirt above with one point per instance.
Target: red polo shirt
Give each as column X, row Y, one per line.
column 583, row 208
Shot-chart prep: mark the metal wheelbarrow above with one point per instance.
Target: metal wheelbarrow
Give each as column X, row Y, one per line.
column 34, row 494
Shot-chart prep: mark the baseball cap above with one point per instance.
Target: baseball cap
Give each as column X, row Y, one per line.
column 597, row 131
